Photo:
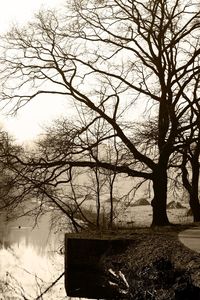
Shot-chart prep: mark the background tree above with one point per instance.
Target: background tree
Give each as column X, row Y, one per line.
column 73, row 192
column 12, row 196
column 106, row 57
column 191, row 153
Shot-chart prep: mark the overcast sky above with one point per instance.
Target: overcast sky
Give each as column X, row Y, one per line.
column 26, row 125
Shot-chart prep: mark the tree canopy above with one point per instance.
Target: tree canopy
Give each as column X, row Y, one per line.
column 106, row 57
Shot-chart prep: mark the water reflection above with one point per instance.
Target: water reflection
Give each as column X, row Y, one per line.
column 24, row 232
column 30, row 260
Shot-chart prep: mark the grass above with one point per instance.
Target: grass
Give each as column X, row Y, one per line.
column 132, row 216
column 156, row 265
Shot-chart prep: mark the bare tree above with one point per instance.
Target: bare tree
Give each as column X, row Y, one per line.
column 83, row 188
column 111, row 178
column 11, row 187
column 190, row 178
column 106, row 57
column 191, row 153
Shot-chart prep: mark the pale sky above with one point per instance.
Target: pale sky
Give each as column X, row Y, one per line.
column 27, row 124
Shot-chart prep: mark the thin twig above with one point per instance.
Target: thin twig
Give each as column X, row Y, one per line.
column 50, row 286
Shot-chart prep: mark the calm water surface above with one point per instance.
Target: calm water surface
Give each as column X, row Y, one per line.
column 30, row 259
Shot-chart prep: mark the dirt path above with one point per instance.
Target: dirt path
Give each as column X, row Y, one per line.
column 191, row 238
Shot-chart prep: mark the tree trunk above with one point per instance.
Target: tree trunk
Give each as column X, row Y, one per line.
column 159, row 202
column 111, row 184
column 98, row 202
column 110, row 225
column 195, row 207
column 194, row 194
column 193, row 186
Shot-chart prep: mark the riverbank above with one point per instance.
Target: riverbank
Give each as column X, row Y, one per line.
column 154, row 266
column 30, row 258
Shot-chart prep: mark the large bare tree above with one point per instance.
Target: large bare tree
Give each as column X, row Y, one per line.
column 191, row 152
column 107, row 57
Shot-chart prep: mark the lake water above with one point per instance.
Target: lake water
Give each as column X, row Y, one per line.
column 30, row 260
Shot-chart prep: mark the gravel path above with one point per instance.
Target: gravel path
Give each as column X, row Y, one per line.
column 191, row 238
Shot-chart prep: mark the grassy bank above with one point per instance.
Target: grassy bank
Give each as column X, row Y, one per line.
column 155, row 266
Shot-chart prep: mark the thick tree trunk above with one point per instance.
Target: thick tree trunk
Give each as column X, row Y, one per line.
column 194, row 194
column 193, row 186
column 159, row 202
column 195, row 207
